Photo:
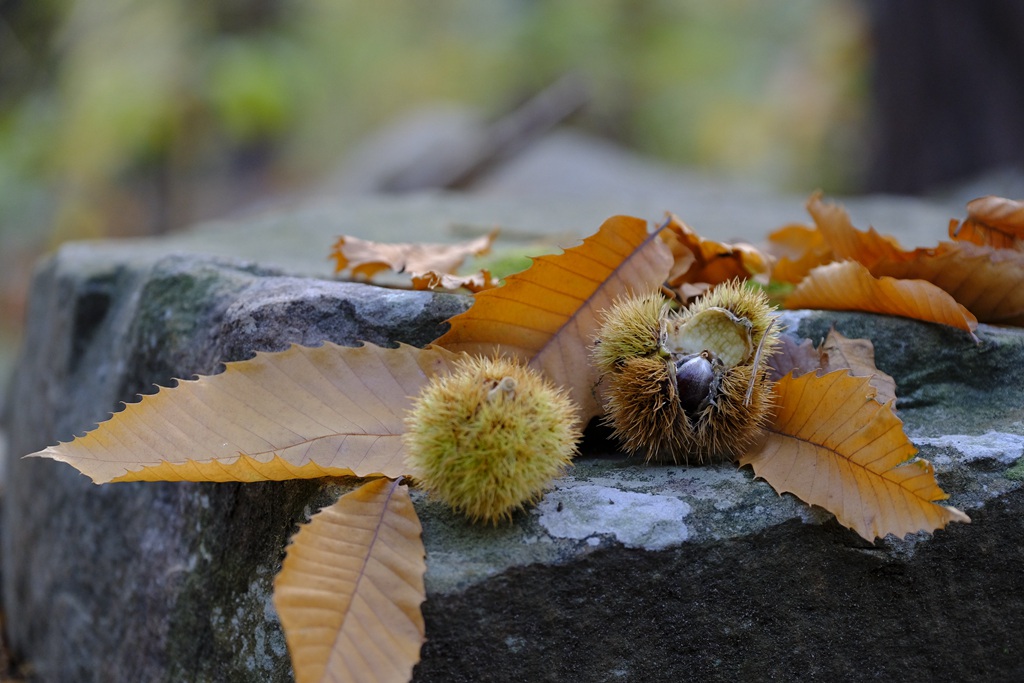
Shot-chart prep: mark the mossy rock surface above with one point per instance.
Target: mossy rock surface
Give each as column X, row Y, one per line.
column 166, row 581
column 622, row 572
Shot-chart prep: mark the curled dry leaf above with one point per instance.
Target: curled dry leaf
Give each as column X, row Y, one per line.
column 797, row 249
column 432, row 279
column 687, row 292
column 848, row 286
column 858, row 357
column 364, row 258
column 793, row 357
column 988, row 282
column 699, row 260
column 547, row 315
column 845, row 241
column 832, row 445
column 992, row 222
column 350, row 589
column 802, row 248
column 836, row 352
column 298, row 414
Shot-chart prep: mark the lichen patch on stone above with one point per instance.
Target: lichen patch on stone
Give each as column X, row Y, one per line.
column 1000, row 446
column 636, row 520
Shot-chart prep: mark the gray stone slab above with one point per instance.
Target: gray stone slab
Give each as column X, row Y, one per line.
column 622, row 572
column 165, row 581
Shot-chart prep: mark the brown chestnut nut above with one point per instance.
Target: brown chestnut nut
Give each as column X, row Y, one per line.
column 695, row 379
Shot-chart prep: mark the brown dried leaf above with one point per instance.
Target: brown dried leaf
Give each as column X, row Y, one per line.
column 547, row 314
column 687, row 292
column 848, row 286
column 832, row 445
column 477, row 282
column 845, row 241
column 300, row 413
column 988, row 282
column 350, row 589
column 791, row 356
column 858, row 357
column 836, row 352
column 992, row 222
column 798, row 249
column 696, row 259
column 365, row 258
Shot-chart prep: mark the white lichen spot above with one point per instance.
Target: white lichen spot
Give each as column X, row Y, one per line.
column 258, row 648
column 637, row 520
column 276, row 641
column 1000, row 446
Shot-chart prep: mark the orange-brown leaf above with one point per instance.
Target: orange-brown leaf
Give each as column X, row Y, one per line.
column 365, row 258
column 858, row 357
column 847, row 242
column 547, row 314
column 832, row 445
column 992, row 222
column 988, row 282
column 848, row 286
column 798, row 249
column 304, row 412
column 696, row 259
column 350, row 589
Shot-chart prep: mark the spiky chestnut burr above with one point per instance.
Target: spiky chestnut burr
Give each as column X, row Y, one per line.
column 702, row 394
column 488, row 438
column 630, row 329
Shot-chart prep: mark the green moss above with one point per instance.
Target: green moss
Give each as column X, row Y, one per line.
column 175, row 303
column 1016, row 472
column 776, row 291
column 505, row 261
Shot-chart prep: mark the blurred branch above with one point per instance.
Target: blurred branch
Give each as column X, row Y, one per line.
column 457, row 167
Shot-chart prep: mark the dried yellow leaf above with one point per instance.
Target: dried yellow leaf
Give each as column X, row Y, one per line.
column 845, row 241
column 304, row 412
column 857, row 356
column 992, row 222
column 350, row 589
column 833, row 445
column 986, row 281
column 365, row 258
column 849, row 286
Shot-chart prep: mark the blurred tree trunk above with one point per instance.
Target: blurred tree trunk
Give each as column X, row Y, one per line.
column 947, row 91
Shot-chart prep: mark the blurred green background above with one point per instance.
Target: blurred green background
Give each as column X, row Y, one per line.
column 129, row 117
